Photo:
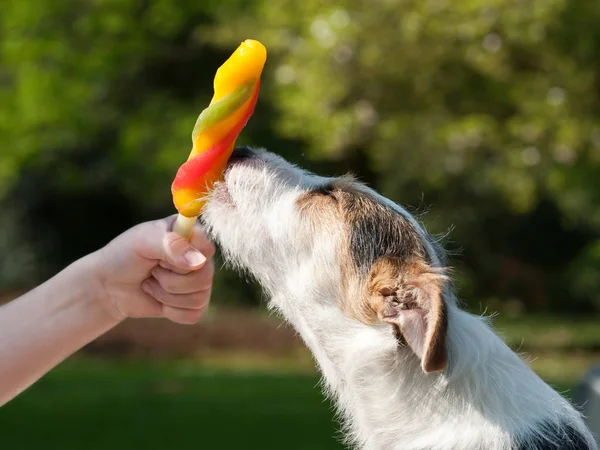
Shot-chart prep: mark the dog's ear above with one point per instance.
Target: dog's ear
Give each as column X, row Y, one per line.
column 408, row 295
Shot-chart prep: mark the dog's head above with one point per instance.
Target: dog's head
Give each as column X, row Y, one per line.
column 315, row 242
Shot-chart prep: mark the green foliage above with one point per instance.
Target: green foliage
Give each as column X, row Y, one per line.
column 486, row 95
column 487, row 111
column 17, row 255
column 82, row 74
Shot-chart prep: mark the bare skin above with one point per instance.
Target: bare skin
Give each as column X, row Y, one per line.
column 145, row 272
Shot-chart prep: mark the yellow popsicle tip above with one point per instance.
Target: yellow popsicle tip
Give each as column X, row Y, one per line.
column 244, row 65
column 253, row 44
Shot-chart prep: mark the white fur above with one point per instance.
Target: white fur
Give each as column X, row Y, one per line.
column 485, row 399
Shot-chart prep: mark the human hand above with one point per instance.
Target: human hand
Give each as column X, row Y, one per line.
column 149, row 271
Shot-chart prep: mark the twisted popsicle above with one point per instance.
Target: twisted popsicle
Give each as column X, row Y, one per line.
column 236, row 88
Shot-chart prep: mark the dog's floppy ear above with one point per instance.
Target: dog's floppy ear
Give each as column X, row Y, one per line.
column 408, row 295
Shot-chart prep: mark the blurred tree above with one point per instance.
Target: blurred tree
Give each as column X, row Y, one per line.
column 97, row 102
column 487, row 110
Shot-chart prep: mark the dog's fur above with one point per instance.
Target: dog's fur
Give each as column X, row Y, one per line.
column 366, row 288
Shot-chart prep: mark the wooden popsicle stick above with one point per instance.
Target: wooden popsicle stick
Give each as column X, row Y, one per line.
column 184, row 226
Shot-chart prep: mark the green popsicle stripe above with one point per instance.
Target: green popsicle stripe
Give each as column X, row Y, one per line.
column 223, row 108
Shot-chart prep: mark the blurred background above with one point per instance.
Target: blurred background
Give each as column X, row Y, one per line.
column 482, row 117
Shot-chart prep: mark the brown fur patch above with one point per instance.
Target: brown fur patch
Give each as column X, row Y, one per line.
column 324, row 207
column 384, row 262
column 414, row 285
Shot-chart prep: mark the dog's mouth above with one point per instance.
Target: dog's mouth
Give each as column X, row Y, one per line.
column 221, row 194
column 241, row 154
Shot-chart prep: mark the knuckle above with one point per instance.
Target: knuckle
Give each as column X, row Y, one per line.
column 165, row 265
column 158, row 293
column 168, row 284
column 199, row 299
column 158, row 274
column 206, row 277
column 210, row 269
column 169, row 241
column 163, row 278
column 174, row 244
column 170, row 287
column 160, row 225
column 210, row 249
column 202, row 240
column 171, row 268
column 201, row 280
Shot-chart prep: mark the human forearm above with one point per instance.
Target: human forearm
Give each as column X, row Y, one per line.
column 49, row 323
column 146, row 271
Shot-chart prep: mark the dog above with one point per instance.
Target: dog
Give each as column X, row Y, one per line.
column 368, row 291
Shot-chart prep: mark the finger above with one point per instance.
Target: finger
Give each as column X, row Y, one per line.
column 200, row 240
column 172, row 268
column 175, row 283
column 184, row 316
column 180, row 253
column 150, row 307
column 154, row 241
column 195, row 300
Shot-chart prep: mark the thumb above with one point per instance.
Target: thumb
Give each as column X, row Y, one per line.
column 154, row 241
column 178, row 252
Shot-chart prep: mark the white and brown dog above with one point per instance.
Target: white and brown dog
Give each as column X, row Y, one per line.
column 366, row 288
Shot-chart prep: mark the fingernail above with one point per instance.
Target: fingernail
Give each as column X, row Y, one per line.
column 194, row 257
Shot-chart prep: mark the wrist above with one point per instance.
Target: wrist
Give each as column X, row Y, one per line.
column 98, row 286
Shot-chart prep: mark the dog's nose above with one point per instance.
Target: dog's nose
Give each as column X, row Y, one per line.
column 240, row 153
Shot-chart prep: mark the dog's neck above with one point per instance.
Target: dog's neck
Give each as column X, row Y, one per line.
column 487, row 397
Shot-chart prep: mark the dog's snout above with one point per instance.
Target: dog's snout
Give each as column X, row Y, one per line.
column 240, row 153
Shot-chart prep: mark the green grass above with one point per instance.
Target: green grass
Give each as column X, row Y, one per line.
column 108, row 405
column 232, row 401
column 559, row 349
column 550, row 333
